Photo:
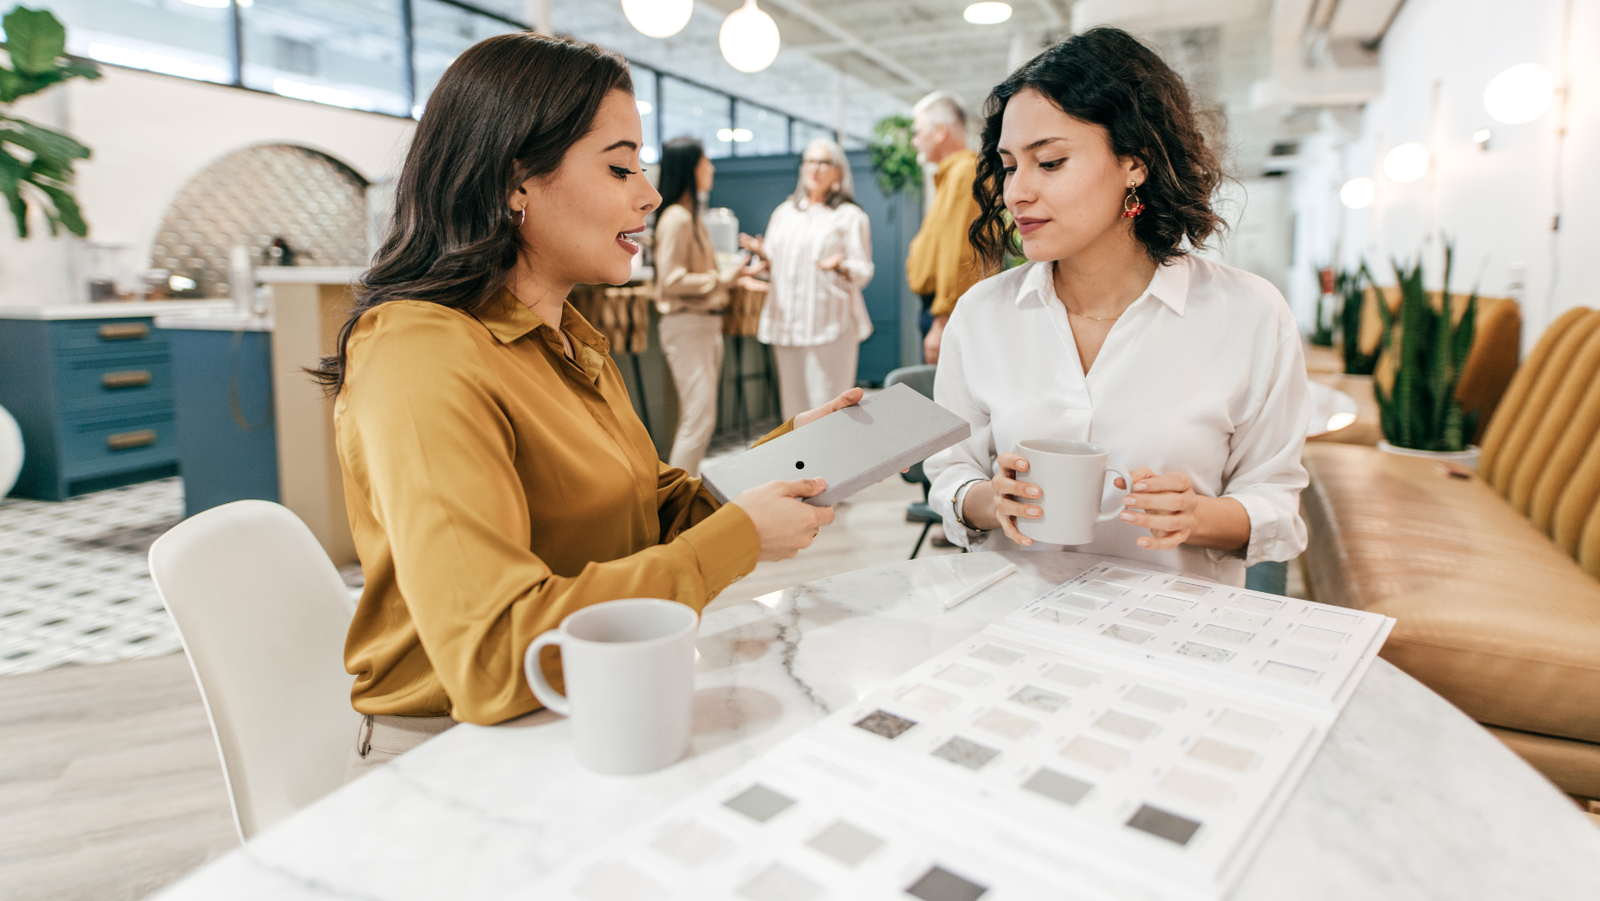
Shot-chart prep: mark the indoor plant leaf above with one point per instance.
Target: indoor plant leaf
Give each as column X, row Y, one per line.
column 35, row 40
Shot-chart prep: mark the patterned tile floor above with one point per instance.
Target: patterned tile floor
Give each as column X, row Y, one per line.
column 74, row 585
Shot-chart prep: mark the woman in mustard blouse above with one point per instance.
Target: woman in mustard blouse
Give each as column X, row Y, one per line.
column 496, row 475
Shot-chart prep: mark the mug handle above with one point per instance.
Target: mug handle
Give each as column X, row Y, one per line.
column 542, row 689
column 1107, row 517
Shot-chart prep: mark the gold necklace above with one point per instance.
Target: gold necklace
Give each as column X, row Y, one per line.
column 1093, row 318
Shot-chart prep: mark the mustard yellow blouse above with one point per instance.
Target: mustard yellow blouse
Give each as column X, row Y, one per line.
column 495, row 485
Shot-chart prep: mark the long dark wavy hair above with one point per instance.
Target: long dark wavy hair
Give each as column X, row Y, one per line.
column 1105, row 76
column 506, row 110
column 680, row 159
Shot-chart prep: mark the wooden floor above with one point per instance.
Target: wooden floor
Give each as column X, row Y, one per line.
column 110, row 787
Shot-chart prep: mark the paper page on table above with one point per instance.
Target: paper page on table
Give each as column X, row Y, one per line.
column 791, row 826
column 1300, row 651
column 1116, row 768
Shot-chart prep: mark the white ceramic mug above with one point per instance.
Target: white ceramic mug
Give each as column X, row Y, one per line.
column 1072, row 475
column 629, row 672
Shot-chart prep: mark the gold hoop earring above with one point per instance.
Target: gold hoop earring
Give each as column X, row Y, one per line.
column 1131, row 205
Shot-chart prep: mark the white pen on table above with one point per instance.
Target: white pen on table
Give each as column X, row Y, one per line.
column 969, row 592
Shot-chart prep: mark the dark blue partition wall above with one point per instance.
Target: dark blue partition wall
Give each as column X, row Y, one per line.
column 754, row 186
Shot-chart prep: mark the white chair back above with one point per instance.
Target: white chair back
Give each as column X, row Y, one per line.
column 263, row 615
column 11, row 452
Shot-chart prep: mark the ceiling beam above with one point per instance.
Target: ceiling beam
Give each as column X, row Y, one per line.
column 802, row 10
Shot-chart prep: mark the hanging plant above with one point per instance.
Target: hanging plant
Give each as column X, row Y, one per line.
column 36, row 162
column 894, row 159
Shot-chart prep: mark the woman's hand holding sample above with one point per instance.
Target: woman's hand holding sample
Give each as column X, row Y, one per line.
column 785, row 525
column 849, row 397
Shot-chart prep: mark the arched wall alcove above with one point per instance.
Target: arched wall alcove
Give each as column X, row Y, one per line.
column 313, row 201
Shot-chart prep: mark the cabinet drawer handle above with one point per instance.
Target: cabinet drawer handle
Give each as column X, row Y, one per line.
column 130, row 440
column 124, row 331
column 134, row 378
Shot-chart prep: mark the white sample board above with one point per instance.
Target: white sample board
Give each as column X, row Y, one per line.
column 853, row 448
column 1040, row 758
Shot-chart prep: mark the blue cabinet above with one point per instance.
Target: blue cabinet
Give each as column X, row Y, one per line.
column 94, row 400
column 227, row 438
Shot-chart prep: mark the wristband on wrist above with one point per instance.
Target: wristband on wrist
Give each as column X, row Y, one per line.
column 957, row 501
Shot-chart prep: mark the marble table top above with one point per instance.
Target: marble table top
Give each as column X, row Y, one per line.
column 1408, row 798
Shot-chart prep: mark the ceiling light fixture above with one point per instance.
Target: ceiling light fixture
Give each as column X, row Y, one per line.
column 1520, row 94
column 987, row 13
column 1358, row 194
column 749, row 38
column 1406, row 163
column 658, row 18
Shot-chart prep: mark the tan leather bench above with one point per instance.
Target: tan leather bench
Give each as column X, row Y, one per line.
column 1494, row 581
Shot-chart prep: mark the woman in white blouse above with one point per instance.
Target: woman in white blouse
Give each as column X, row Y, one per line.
column 1187, row 371
column 819, row 248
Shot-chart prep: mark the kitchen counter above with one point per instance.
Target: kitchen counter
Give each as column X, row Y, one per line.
column 112, row 310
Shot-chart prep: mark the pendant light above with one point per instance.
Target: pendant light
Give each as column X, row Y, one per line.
column 749, row 38
column 1520, row 94
column 1358, row 193
column 1406, row 163
column 658, row 18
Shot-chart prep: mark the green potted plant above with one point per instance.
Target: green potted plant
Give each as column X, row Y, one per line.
column 1422, row 353
column 894, row 159
column 36, row 162
column 1351, row 286
column 1322, row 325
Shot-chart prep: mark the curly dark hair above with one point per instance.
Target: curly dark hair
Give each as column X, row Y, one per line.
column 1107, row 77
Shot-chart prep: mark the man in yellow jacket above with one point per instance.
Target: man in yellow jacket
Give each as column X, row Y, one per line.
column 941, row 265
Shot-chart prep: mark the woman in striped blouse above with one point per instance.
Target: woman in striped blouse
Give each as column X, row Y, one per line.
column 818, row 245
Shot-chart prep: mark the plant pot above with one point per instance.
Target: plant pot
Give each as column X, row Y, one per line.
column 1468, row 457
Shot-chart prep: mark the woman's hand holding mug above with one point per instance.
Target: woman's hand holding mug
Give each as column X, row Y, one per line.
column 1165, row 504
column 998, row 502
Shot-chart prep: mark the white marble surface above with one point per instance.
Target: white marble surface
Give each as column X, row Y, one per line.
column 1407, row 799
column 112, row 310
column 226, row 319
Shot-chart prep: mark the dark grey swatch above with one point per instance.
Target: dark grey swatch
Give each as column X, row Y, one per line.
column 965, row 752
column 1165, row 825
column 884, row 723
column 759, row 803
column 1057, row 787
column 939, row 884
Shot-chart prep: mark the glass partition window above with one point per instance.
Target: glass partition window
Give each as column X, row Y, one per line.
column 439, row 33
column 174, row 38
column 805, row 133
column 759, row 131
column 696, row 112
column 346, row 53
column 644, row 94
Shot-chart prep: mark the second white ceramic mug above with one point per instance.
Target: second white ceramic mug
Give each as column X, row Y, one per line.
column 629, row 673
column 1072, row 475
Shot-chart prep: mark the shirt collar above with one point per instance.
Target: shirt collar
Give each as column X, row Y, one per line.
column 508, row 319
column 951, row 161
column 1170, row 285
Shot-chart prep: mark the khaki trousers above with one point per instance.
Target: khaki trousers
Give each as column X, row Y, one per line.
column 380, row 739
column 692, row 343
column 809, row 377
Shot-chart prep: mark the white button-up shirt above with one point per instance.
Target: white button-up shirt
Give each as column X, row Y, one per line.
column 1203, row 375
column 807, row 306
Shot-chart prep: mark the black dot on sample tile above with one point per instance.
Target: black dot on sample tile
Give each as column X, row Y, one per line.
column 939, row 884
column 884, row 723
column 759, row 803
column 1162, row 824
column 1057, row 787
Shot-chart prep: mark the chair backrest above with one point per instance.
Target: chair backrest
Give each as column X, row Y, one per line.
column 1541, row 451
column 920, row 378
column 263, row 615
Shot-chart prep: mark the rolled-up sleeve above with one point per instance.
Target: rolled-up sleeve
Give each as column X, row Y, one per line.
column 1263, row 471
column 971, row 459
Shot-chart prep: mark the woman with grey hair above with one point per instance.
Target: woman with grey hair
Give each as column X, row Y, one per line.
column 818, row 245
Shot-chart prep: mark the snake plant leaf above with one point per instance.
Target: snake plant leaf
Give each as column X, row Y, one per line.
column 34, row 40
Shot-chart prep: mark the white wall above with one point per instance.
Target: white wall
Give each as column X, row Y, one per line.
column 1497, row 205
column 149, row 135
column 1258, row 237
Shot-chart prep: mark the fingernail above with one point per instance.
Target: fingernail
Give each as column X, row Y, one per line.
column 1129, row 517
column 1141, row 486
column 1034, row 512
column 1130, row 500
column 822, row 483
column 1144, row 542
column 1033, row 492
column 1021, row 465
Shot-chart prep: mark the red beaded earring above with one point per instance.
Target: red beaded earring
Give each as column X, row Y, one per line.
column 1131, row 206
